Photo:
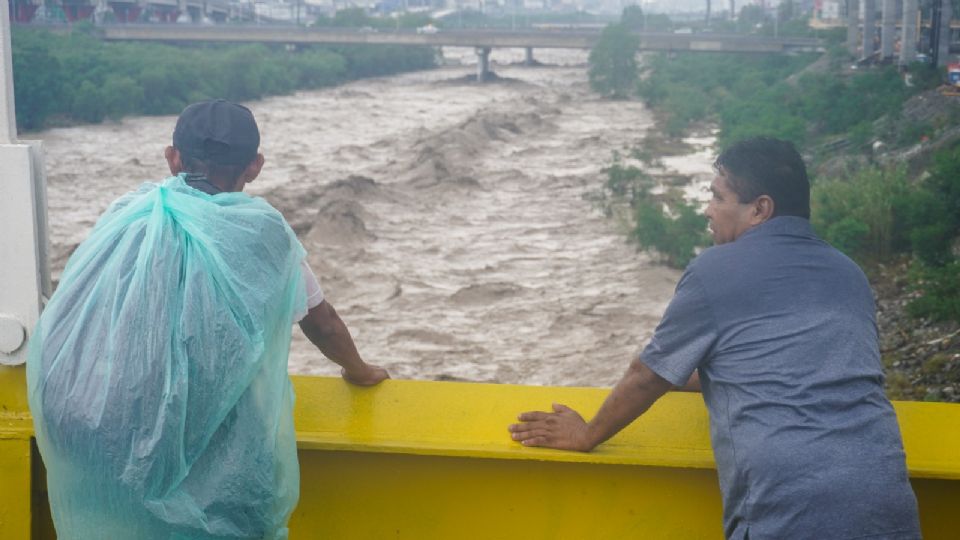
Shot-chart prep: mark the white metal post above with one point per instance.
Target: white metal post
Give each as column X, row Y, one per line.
column 8, row 118
column 23, row 271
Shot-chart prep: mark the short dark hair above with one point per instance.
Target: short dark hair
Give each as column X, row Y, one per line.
column 767, row 166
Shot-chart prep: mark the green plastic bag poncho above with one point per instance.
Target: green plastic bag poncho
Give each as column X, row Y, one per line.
column 158, row 371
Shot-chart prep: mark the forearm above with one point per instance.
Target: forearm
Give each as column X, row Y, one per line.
column 636, row 391
column 334, row 340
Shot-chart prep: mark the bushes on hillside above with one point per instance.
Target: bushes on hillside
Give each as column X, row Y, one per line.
column 859, row 215
column 878, row 213
column 751, row 96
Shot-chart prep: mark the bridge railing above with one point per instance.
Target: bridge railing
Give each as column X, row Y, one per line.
column 433, row 460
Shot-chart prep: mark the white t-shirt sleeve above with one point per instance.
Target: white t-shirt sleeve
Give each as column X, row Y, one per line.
column 312, row 286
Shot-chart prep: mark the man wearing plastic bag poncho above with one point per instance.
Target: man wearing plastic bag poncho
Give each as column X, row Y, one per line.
column 157, row 374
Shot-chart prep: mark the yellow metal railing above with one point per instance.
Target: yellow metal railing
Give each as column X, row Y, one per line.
column 433, row 460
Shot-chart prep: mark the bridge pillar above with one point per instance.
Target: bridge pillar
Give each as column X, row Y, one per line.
column 908, row 36
column 853, row 26
column 888, row 29
column 483, row 63
column 942, row 44
column 528, row 58
column 869, row 28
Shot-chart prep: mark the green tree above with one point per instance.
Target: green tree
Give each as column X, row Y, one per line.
column 632, row 17
column 347, row 18
column 613, row 62
column 860, row 215
column 750, row 17
column 786, row 10
column 36, row 74
column 121, row 96
column 675, row 235
column 938, row 290
column 88, row 104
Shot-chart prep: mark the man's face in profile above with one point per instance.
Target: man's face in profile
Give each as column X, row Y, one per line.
column 728, row 217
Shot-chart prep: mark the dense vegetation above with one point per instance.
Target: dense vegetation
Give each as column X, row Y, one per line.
column 613, row 62
column 663, row 223
column 750, row 95
column 880, row 213
column 877, row 214
column 78, row 78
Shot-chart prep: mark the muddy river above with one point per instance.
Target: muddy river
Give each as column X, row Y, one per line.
column 449, row 223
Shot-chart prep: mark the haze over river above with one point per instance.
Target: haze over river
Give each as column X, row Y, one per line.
column 448, row 222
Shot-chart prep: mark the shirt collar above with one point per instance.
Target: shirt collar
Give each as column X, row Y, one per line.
column 200, row 182
column 787, row 225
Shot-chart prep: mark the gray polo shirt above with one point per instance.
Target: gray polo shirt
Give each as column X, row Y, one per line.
column 782, row 329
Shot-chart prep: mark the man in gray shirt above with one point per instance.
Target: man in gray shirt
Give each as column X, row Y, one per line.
column 779, row 331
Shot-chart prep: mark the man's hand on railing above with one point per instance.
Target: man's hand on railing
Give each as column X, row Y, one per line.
column 325, row 329
column 366, row 375
column 563, row 429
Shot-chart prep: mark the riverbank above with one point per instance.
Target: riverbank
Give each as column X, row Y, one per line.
column 66, row 79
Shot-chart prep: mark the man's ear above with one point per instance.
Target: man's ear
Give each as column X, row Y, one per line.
column 253, row 169
column 173, row 160
column 763, row 208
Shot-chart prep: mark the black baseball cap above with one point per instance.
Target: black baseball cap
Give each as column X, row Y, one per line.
column 217, row 131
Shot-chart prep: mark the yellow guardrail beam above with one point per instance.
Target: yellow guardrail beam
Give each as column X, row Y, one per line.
column 470, row 420
column 433, row 460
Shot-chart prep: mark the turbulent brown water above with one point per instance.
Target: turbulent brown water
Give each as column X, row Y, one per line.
column 449, row 223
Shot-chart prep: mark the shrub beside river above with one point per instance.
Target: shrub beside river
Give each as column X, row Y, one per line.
column 75, row 77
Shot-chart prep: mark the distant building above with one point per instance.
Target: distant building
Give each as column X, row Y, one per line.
column 829, row 10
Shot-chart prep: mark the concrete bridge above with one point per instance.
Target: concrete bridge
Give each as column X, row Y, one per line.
column 482, row 40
